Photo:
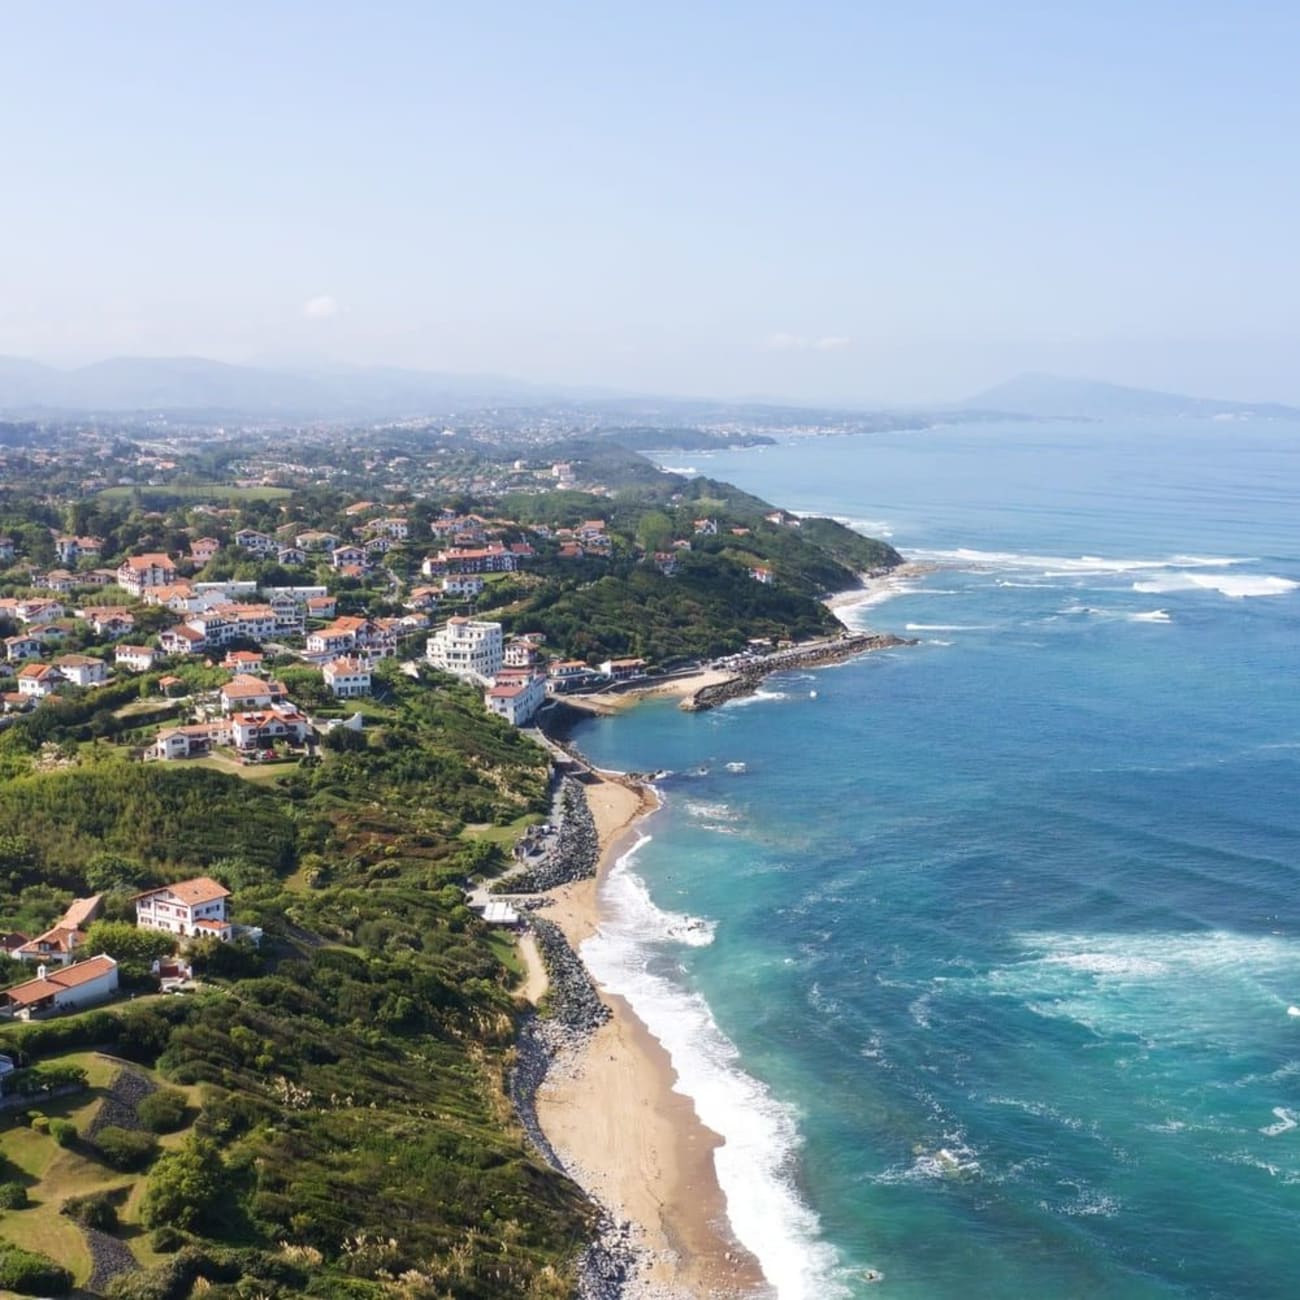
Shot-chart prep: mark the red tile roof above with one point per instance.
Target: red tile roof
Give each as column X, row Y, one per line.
column 58, row 981
column 202, row 889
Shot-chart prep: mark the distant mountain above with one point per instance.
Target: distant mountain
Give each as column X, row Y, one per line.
column 193, row 385
column 1051, row 395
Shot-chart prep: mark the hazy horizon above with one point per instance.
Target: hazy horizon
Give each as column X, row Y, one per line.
column 846, row 204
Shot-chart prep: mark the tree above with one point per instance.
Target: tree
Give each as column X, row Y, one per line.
column 655, row 531
column 185, row 1187
column 124, row 942
column 107, row 871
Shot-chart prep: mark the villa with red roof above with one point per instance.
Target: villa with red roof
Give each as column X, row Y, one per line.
column 189, row 908
column 82, row 984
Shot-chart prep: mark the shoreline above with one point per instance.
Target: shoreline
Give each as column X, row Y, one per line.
column 612, row 1116
column 609, row 1109
column 707, row 687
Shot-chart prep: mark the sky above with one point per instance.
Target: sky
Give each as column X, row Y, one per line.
column 860, row 200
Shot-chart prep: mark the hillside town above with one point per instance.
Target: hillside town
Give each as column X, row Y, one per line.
column 246, row 630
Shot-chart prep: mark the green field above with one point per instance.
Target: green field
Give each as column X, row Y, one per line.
column 53, row 1173
column 194, row 492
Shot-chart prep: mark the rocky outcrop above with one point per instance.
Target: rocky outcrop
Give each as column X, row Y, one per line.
column 119, row 1107
column 748, row 678
column 108, row 1257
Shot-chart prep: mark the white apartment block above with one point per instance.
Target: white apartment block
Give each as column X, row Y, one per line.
column 467, row 648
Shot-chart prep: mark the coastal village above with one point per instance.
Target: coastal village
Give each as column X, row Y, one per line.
column 315, row 708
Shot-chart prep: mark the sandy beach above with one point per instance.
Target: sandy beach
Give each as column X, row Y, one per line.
column 615, row 1120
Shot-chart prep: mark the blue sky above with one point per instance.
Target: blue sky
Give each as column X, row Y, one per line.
column 831, row 201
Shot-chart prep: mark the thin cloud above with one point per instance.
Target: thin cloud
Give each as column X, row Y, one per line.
column 321, row 307
column 782, row 342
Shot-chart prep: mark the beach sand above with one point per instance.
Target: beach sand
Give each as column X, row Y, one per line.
column 615, row 1120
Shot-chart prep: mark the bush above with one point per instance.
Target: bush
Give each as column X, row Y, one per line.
column 163, row 1111
column 63, row 1131
column 94, row 1211
column 28, row 1273
column 13, row 1196
column 122, row 1149
column 186, row 1188
column 167, row 1240
column 40, row 1123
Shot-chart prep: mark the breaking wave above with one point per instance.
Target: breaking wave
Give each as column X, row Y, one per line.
column 756, row 1163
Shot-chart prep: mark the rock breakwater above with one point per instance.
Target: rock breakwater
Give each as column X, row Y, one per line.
column 749, row 677
column 574, row 853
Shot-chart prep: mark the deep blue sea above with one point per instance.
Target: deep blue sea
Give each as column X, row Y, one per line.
column 983, row 956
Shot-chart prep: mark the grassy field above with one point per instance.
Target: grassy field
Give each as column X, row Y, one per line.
column 195, row 492
column 260, row 773
column 53, row 1173
column 506, row 835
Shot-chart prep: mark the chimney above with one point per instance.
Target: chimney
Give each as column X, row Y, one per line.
column 40, row 972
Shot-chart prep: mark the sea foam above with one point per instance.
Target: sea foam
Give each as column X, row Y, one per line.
column 1236, row 586
column 756, row 1163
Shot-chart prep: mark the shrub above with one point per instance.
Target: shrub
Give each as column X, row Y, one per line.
column 122, row 1149
column 28, row 1273
column 63, row 1131
column 13, row 1196
column 167, row 1240
column 94, row 1211
column 40, row 1123
column 187, row 1186
column 163, row 1111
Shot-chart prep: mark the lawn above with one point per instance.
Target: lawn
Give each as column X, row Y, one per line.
column 262, row 773
column 53, row 1173
column 195, row 492
column 506, row 835
column 505, row 947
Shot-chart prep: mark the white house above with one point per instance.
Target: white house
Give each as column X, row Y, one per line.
column 251, row 540
column 72, row 550
column 82, row 670
column 347, row 677
column 140, row 572
column 189, row 908
column 520, row 654
column 39, row 680
column 261, row 729
column 182, row 640
column 58, row 945
column 82, row 984
column 517, row 701
column 138, row 658
column 109, row 620
column 23, row 647
column 248, row 692
column 188, row 741
column 465, row 586
column 467, row 648
column 622, row 670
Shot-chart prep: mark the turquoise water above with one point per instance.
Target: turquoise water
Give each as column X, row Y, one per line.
column 983, row 962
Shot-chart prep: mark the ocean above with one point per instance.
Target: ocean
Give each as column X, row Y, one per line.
column 983, row 956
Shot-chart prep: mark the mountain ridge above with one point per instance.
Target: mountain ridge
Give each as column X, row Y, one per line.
column 1053, row 396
